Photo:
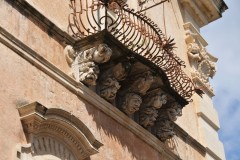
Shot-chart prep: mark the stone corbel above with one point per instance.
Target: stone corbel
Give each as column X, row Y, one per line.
column 142, row 83
column 84, row 64
column 109, row 80
column 148, row 116
column 149, row 111
column 132, row 100
column 165, row 128
column 174, row 111
column 131, row 103
column 165, row 122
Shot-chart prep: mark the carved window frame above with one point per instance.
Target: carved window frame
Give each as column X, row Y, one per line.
column 56, row 133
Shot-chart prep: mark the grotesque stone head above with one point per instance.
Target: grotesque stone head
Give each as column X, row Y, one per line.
column 88, row 73
column 109, row 88
column 102, row 54
column 131, row 103
column 148, row 116
column 165, row 129
column 174, row 111
column 157, row 100
column 121, row 70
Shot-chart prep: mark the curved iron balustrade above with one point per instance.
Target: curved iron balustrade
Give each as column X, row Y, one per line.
column 136, row 31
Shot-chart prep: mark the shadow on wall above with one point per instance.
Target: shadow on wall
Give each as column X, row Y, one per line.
column 118, row 141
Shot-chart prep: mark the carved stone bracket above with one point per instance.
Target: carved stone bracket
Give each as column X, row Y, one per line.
column 165, row 122
column 131, row 103
column 84, row 64
column 165, row 129
column 109, row 80
column 56, row 133
column 138, row 88
column 148, row 116
column 150, row 106
column 142, row 83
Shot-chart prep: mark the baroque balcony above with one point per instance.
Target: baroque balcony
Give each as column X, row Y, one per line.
column 126, row 59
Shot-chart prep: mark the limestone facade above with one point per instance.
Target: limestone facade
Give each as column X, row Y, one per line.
column 94, row 98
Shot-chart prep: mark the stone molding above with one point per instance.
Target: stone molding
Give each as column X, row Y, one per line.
column 53, row 30
column 205, row 11
column 202, row 62
column 51, row 126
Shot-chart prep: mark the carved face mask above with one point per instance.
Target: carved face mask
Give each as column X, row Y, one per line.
column 102, row 54
column 134, row 103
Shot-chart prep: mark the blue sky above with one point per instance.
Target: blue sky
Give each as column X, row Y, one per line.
column 223, row 36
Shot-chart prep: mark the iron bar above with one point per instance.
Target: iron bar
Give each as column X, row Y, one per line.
column 153, row 5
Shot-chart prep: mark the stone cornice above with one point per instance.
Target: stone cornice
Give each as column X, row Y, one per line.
column 34, row 15
column 193, row 33
column 189, row 139
column 204, row 11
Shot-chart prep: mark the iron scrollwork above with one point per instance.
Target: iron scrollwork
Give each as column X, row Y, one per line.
column 136, row 31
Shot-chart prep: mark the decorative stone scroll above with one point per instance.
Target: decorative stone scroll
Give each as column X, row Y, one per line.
column 203, row 65
column 84, row 64
column 55, row 134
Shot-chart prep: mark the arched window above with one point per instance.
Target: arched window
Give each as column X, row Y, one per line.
column 54, row 134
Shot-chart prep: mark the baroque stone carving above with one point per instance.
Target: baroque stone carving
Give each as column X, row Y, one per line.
column 131, row 103
column 194, row 52
column 109, row 81
column 149, row 113
column 142, row 84
column 148, row 116
column 156, row 100
column 165, row 125
column 85, row 64
column 165, row 129
column 174, row 111
column 202, row 63
column 109, row 88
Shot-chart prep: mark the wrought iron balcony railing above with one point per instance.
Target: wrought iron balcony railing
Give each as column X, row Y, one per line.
column 136, row 31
